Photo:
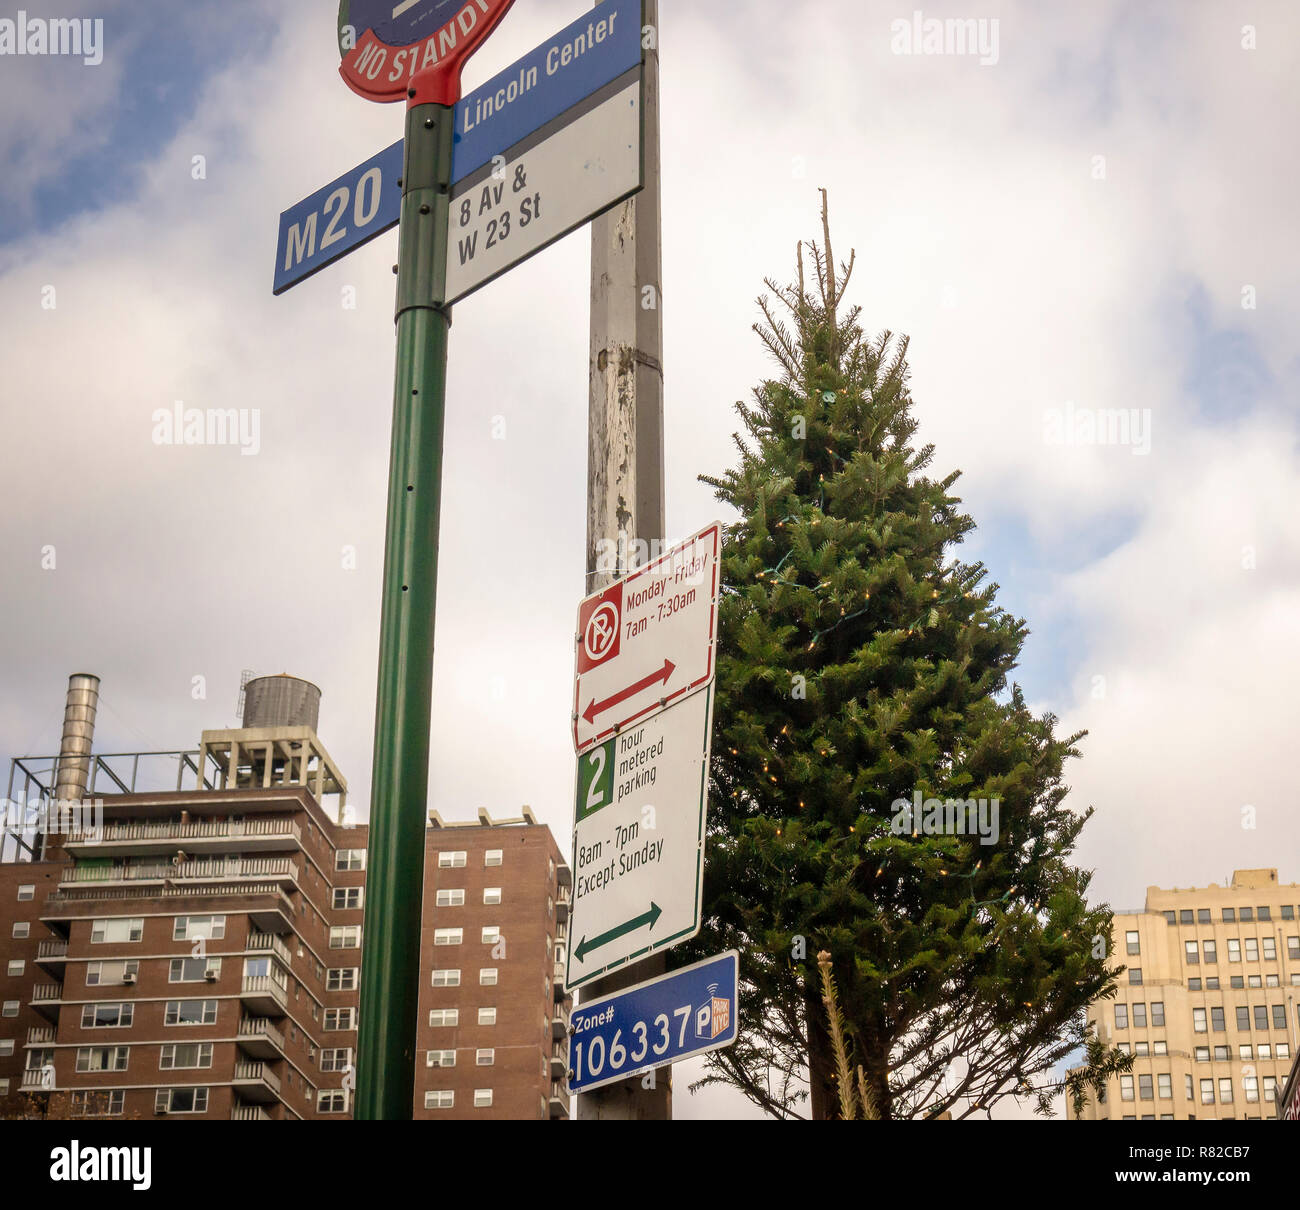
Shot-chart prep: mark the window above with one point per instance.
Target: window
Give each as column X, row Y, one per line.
column 192, row 970
column 1198, row 1020
column 104, row 974
column 487, row 1016
column 186, row 928
column 482, row 1098
column 1157, row 1012
column 440, row 1017
column 1193, row 985
column 117, row 930
column 10, row 1009
column 1188, row 1086
column 1225, row 1090
column 350, row 859
column 177, row 1055
column 1234, row 949
column 98, row 1103
column 446, row 978
column 492, row 857
column 1279, row 1016
column 1132, row 943
column 107, row 1016
column 1126, row 1088
column 1236, row 981
column 1185, row 916
column 1252, row 981
column 443, row 1098
column 1171, row 917
column 339, row 1018
column 1124, row 1048
column 16, row 966
column 1207, row 1092
column 1216, row 1020
column 448, row 936
column 1202, row 1054
column 487, row 976
column 491, row 894
column 1160, row 1048
column 451, row 898
column 102, row 1058
column 181, row 1100
column 26, row 892
column 1139, row 1016
column 1247, row 914
column 190, row 1012
column 335, row 1058
column 1261, row 1016
column 1141, row 1049
column 491, row 934
column 1263, row 913
column 345, row 936
column 440, row 1058
column 1252, row 949
column 1144, row 1088
column 1135, row 975
column 332, row 1100
column 1250, row 1084
column 347, row 898
column 451, row 861
column 1212, row 983
column 1270, row 948
column 22, row 928
column 1265, row 1050
column 1210, row 950
column 1270, row 1089
column 1230, row 915
column 1202, row 915
column 1244, row 1051
column 341, row 978
column 485, row 1058
column 1288, row 911
column 6, row 1047
column 1220, row 1054
column 1243, row 1017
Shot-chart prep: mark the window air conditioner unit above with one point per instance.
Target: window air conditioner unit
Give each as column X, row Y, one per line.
column 210, row 976
column 128, row 980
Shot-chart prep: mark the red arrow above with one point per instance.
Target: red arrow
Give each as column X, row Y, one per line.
column 622, row 695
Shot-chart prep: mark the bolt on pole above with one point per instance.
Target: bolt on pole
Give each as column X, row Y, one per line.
column 390, row 970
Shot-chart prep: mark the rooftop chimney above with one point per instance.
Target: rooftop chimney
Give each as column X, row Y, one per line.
column 78, row 736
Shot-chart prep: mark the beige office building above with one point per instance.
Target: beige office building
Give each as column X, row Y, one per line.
column 1207, row 1004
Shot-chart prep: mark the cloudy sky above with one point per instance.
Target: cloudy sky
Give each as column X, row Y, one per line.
column 1097, row 215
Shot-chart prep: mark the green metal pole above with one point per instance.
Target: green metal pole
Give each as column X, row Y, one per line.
column 390, row 968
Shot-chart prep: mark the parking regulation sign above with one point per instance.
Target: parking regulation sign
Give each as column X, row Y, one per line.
column 647, row 640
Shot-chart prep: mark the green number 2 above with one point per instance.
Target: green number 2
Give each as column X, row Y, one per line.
column 595, row 779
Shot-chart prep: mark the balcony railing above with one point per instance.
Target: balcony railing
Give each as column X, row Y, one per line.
column 36, row 1080
column 51, row 949
column 249, row 1113
column 83, row 893
column 256, row 867
column 258, row 1071
column 47, row 991
column 260, row 1027
column 262, row 985
column 195, row 829
column 41, row 1035
column 261, row 942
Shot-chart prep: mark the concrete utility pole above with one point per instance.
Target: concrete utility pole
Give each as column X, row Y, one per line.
column 625, row 463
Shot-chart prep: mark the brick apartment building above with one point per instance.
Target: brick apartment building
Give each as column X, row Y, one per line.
column 195, row 953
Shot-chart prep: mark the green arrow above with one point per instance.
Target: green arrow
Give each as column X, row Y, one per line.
column 585, row 947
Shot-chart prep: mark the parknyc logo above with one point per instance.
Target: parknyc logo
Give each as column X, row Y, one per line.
column 387, row 43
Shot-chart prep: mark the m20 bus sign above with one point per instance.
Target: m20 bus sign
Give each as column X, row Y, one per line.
column 387, row 43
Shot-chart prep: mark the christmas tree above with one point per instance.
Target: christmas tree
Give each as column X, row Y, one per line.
column 879, row 789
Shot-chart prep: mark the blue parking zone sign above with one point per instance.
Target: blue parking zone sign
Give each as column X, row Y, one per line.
column 687, row 1012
